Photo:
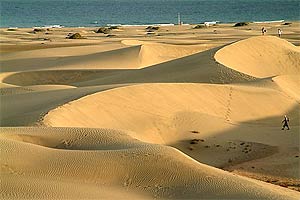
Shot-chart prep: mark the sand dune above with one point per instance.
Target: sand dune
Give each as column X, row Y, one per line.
column 167, row 112
column 129, row 169
column 95, row 57
column 28, row 108
column 62, row 51
column 262, row 56
column 178, row 114
column 196, row 68
column 289, row 84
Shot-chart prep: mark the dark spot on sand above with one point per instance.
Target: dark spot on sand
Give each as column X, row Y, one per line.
column 287, row 23
column 194, row 131
column 191, row 148
column 194, row 141
column 242, row 143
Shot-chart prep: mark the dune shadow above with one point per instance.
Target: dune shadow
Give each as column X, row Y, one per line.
column 244, row 141
column 118, row 58
column 196, row 68
column 28, row 109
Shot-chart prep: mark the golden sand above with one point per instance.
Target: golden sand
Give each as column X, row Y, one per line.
column 180, row 113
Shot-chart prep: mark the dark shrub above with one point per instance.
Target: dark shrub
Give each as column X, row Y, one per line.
column 287, row 23
column 12, row 29
column 103, row 30
column 152, row 28
column 111, row 35
column 39, row 30
column 75, row 36
column 241, row 24
column 113, row 27
column 199, row 26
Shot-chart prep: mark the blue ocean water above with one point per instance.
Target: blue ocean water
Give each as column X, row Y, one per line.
column 29, row 13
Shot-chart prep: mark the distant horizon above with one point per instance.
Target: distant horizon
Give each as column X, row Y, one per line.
column 16, row 13
column 132, row 25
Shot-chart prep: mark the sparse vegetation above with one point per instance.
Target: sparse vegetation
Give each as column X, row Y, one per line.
column 152, row 28
column 12, row 29
column 75, row 36
column 103, row 30
column 194, row 141
column 287, row 23
column 39, row 30
column 113, row 27
column 198, row 26
column 241, row 24
column 195, row 131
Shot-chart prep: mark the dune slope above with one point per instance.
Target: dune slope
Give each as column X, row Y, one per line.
column 124, row 57
column 262, row 56
column 162, row 111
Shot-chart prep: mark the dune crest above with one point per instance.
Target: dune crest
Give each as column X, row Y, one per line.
column 125, row 57
column 156, row 111
column 261, row 56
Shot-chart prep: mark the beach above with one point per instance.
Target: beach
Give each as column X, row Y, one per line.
column 150, row 112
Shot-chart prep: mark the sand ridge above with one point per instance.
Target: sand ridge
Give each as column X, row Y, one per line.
column 158, row 108
column 263, row 56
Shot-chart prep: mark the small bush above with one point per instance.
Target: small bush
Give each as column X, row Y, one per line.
column 103, row 30
column 152, row 28
column 113, row 27
column 241, row 24
column 12, row 29
column 199, row 26
column 39, row 30
column 287, row 23
column 75, row 36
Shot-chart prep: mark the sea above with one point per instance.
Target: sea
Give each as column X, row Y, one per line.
column 87, row 13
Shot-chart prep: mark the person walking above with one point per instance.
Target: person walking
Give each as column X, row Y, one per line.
column 263, row 31
column 285, row 123
column 279, row 32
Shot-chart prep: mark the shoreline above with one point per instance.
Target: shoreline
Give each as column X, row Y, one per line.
column 151, row 24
